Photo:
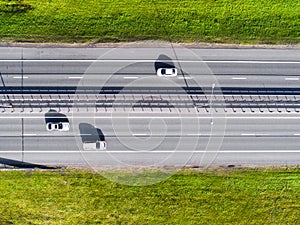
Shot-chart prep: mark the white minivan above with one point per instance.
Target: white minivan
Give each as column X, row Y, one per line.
column 98, row 145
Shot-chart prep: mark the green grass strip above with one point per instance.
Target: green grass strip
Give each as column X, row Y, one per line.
column 233, row 196
column 226, row 21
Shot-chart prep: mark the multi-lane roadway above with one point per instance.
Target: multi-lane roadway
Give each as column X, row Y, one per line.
column 233, row 106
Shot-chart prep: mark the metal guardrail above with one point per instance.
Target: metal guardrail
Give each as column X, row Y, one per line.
column 110, row 90
column 149, row 101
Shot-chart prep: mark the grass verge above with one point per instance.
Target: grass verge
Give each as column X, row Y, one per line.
column 226, row 21
column 233, row 196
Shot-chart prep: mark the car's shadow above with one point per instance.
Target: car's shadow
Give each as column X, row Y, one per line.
column 89, row 133
column 163, row 61
column 52, row 116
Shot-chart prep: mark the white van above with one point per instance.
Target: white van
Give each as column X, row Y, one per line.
column 98, row 145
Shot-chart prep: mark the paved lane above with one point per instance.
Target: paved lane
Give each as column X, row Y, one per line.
column 240, row 126
column 231, row 68
column 142, row 159
column 226, row 73
column 245, row 141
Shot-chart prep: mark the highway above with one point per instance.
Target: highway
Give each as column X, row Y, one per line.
column 231, row 68
column 228, row 73
column 226, row 106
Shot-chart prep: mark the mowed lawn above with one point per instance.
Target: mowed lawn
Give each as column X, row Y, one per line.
column 226, row 21
column 233, row 196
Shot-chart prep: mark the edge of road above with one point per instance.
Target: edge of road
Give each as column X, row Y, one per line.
column 142, row 168
column 149, row 44
column 192, row 167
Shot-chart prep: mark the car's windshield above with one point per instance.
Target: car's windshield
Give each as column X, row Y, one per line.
column 97, row 145
column 169, row 71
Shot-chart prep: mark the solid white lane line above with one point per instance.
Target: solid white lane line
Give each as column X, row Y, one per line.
column 140, row 134
column 296, row 117
column 239, row 78
column 130, row 77
column 291, row 78
column 20, row 77
column 112, row 135
column 150, row 60
column 151, row 152
column 252, row 62
column 247, row 134
column 187, row 78
column 75, row 77
column 264, row 134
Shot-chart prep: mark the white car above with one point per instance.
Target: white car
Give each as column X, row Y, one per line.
column 58, row 126
column 98, row 145
column 167, row 72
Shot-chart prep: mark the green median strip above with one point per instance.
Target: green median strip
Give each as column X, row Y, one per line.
column 221, row 196
column 226, row 21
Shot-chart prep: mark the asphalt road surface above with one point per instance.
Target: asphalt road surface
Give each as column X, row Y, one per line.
column 119, row 67
column 146, row 139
